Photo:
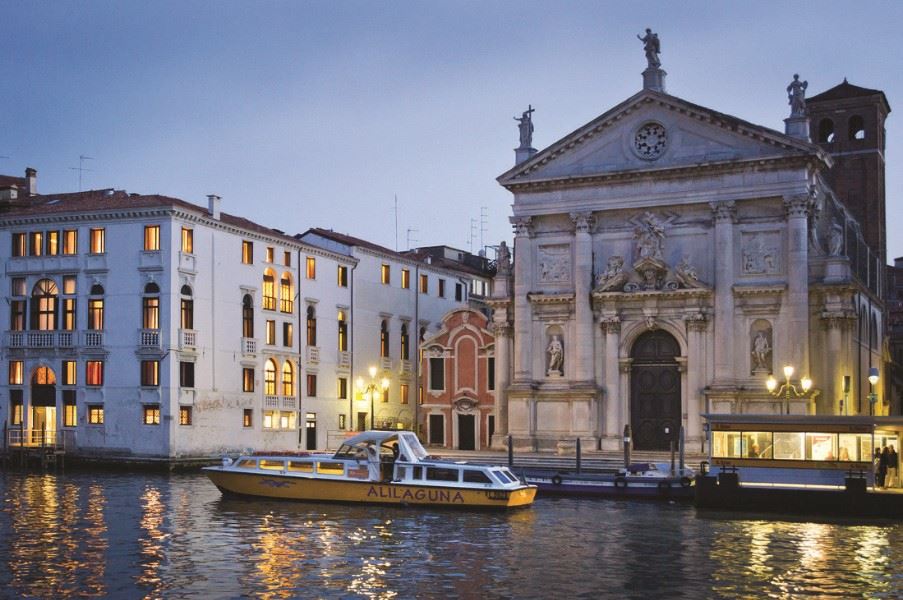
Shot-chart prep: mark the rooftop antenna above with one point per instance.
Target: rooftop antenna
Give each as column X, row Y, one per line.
column 473, row 234
column 81, row 168
column 411, row 239
column 484, row 217
column 396, row 222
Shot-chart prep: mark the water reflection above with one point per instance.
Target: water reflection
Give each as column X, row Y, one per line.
column 176, row 537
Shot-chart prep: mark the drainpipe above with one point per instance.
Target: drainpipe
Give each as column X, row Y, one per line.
column 416, row 288
column 351, row 414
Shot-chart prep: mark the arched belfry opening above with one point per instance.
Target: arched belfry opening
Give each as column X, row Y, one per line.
column 655, row 391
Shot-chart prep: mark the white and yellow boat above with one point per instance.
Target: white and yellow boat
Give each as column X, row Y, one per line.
column 380, row 467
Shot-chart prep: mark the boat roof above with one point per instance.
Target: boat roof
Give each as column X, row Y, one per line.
column 371, row 436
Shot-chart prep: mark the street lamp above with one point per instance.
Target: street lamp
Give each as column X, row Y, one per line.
column 787, row 389
column 873, row 397
column 369, row 389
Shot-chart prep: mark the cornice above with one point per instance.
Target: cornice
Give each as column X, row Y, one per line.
column 666, row 294
column 540, row 298
column 758, row 290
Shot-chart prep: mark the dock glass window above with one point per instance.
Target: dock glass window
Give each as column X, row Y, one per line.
column 821, row 446
column 792, row 445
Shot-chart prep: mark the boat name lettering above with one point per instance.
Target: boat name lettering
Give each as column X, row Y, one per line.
column 394, row 493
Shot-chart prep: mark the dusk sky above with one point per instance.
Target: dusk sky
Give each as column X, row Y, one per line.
column 317, row 114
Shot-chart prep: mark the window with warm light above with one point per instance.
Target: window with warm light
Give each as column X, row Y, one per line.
column 247, row 417
column 268, row 254
column 288, row 379
column 150, row 312
column 271, row 332
column 311, row 267
column 97, row 241
column 184, row 415
column 94, row 373
column 95, row 314
column 15, row 407
column 269, row 290
column 44, row 302
column 187, row 240
column 247, row 252
column 150, row 373
column 36, row 243
column 53, row 243
column 342, row 276
column 269, row 378
column 287, row 258
column 286, row 294
column 424, row 284
column 95, row 414
column 311, row 385
column 247, row 379
column 404, row 393
column 288, row 335
column 152, row 414
column 385, row 274
column 70, row 412
column 405, row 279
column 20, row 245
column 16, row 372
column 69, row 371
column 311, row 326
column 151, row 238
column 70, row 241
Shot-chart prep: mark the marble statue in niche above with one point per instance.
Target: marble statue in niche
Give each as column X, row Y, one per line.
column 761, row 351
column 556, row 357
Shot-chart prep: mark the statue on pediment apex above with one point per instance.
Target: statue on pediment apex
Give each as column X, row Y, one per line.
column 796, row 94
column 525, row 126
column 686, row 275
column 653, row 48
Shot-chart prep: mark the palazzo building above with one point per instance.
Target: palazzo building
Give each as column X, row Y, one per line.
column 669, row 258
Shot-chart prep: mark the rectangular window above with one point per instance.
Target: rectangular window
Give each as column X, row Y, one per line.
column 68, row 323
column 16, row 372
column 53, row 243
column 490, row 373
column 343, row 332
column 442, row 288
column 269, row 255
column 405, row 279
column 69, row 284
column 247, row 379
column 187, row 313
column 271, row 333
column 70, row 241
column 70, row 413
column 342, row 388
column 17, row 315
column 385, row 274
column 247, row 252
column 184, row 415
column 96, row 241
column 15, row 407
column 386, row 395
column 186, row 374
column 311, row 267
column 459, row 292
column 18, row 286
column 20, row 244
column 404, row 393
column 95, row 314
column 343, row 276
column 69, row 372
column 150, row 373
column 437, row 374
column 152, row 414
column 247, row 417
column 95, row 414
column 151, row 238
column 187, row 240
column 424, row 284
column 287, row 335
column 311, row 385
column 94, row 373
column 287, row 258
column 36, row 243
column 151, row 313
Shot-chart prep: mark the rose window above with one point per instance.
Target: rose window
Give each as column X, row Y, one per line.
column 649, row 141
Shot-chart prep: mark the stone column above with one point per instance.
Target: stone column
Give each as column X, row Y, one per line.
column 724, row 214
column 613, row 417
column 583, row 277
column 797, row 354
column 696, row 327
column 522, row 285
column 502, row 332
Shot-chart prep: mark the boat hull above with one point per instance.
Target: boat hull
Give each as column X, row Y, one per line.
column 338, row 490
column 612, row 486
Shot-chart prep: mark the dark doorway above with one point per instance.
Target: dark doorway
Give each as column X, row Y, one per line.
column 311, row 427
column 437, row 430
column 465, row 433
column 655, row 391
column 362, row 421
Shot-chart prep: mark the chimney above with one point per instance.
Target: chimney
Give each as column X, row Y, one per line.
column 213, row 202
column 32, row 176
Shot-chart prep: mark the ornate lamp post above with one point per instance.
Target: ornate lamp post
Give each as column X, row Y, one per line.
column 787, row 389
column 873, row 397
column 369, row 389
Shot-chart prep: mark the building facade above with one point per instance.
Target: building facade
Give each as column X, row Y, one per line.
column 669, row 258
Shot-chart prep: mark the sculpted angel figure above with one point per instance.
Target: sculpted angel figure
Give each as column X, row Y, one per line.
column 686, row 274
column 650, row 236
column 614, row 278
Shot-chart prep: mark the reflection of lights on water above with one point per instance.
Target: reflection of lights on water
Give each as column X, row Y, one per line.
column 871, row 550
column 812, row 545
column 760, row 533
column 152, row 542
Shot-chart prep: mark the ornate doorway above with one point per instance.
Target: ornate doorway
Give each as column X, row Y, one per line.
column 466, row 426
column 654, row 391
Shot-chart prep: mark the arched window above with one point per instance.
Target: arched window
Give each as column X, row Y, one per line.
column 343, row 332
column 826, row 131
column 150, row 308
column 311, row 326
column 269, row 378
column 269, row 290
column 873, row 333
column 384, row 338
column 405, row 342
column 96, row 308
column 187, row 308
column 288, row 379
column 247, row 316
column 856, row 128
column 286, row 294
column 43, row 305
column 43, row 376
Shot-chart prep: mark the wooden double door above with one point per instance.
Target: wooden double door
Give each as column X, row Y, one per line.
column 655, row 391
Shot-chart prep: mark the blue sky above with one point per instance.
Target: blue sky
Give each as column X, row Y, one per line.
column 303, row 114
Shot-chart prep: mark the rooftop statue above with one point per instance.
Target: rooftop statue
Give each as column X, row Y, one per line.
column 796, row 94
column 653, row 48
column 525, row 125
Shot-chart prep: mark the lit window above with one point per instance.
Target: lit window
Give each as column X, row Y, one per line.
column 269, row 290
column 286, row 294
column 187, row 240
column 68, row 284
column 70, row 241
column 96, row 242
column 343, row 332
column 386, row 274
column 18, row 287
column 44, row 300
column 406, row 279
column 150, row 373
column 442, row 288
column 152, row 414
column 94, row 373
column 386, row 395
column 95, row 414
column 36, row 243
column 342, row 421
column 269, row 255
column 343, row 276
column 184, row 415
column 311, row 385
column 247, row 252
column 269, row 378
column 15, row 408
column 95, row 314
column 311, row 267
column 151, row 313
column 186, row 374
column 342, row 388
column 53, row 243
column 68, row 321
column 247, row 379
column 69, row 371
column 311, row 326
column 271, row 333
column 20, row 244
column 70, row 414
column 44, row 376
column 151, row 238
column 247, row 417
column 16, row 372
column 186, row 312
column 287, row 258
column 424, row 284
column 404, row 393
column 288, row 379
column 287, row 335
column 17, row 315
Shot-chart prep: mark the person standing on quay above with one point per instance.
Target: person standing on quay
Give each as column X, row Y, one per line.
column 891, row 480
column 883, row 458
column 880, row 468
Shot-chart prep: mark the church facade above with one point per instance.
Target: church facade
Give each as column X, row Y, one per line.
column 667, row 260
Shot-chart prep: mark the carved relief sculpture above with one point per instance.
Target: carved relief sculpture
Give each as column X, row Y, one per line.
column 650, row 236
column 556, row 357
column 614, row 277
column 686, row 275
column 554, row 263
column 759, row 258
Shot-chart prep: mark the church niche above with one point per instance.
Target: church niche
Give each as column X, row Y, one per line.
column 760, row 347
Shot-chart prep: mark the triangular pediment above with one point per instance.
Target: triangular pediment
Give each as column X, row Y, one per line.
column 652, row 131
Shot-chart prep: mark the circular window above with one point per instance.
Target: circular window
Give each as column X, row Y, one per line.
column 649, row 141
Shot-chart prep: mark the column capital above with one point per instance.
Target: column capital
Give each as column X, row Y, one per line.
column 696, row 321
column 583, row 221
column 501, row 328
column 610, row 324
column 523, row 226
column 724, row 211
column 624, row 365
column 799, row 205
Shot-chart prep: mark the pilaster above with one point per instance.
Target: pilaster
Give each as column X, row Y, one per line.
column 523, row 356
column 724, row 215
column 583, row 276
column 796, row 351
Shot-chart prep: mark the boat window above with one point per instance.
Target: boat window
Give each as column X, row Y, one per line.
column 727, row 444
column 476, row 477
column 300, row 467
column 418, row 473
column 331, row 468
column 503, row 476
column 441, row 474
column 247, row 463
column 821, row 446
column 510, row 475
column 788, row 445
column 757, row 444
column 402, row 473
column 272, row 465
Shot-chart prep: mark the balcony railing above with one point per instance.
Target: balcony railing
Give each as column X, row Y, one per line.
column 248, row 345
column 289, row 402
column 92, row 338
column 188, row 338
column 36, row 438
column 385, row 363
column 407, row 367
column 286, row 305
column 271, row 401
column 269, row 302
column 313, row 354
column 52, row 339
column 149, row 338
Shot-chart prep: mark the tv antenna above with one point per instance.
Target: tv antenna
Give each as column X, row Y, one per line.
column 81, row 168
column 411, row 239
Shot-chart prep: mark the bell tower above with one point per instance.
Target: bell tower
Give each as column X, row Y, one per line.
column 848, row 121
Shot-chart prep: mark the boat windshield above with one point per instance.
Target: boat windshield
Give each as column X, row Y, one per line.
column 417, row 451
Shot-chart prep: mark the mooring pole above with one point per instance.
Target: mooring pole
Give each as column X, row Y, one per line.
column 510, row 452
column 681, row 449
column 626, row 446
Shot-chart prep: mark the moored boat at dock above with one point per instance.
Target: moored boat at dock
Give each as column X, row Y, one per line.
column 638, row 480
column 379, row 467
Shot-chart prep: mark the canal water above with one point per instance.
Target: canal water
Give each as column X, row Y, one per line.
column 175, row 536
